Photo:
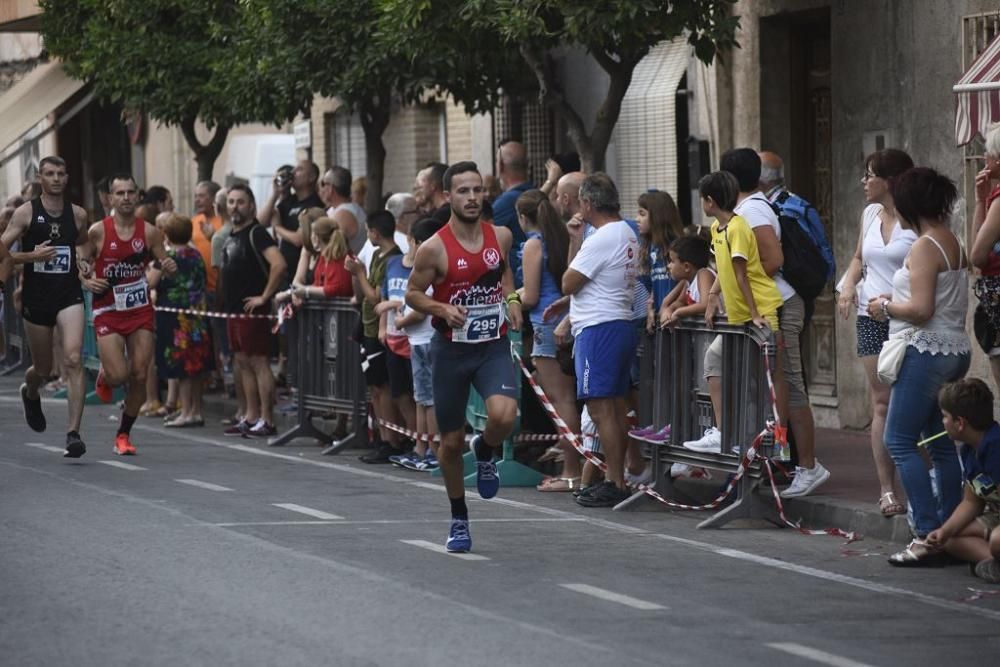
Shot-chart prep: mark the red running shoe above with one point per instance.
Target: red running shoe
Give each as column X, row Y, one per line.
column 104, row 391
column 123, row 445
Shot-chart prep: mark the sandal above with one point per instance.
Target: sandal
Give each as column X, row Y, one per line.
column 164, row 410
column 553, row 484
column 918, row 553
column 889, row 506
column 150, row 409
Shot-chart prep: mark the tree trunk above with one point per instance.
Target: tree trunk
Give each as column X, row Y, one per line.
column 205, row 155
column 591, row 147
column 619, row 79
column 375, row 114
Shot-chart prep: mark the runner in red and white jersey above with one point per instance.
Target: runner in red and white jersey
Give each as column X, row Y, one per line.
column 473, row 293
column 123, row 313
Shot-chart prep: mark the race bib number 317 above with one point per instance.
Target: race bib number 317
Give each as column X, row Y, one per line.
column 131, row 295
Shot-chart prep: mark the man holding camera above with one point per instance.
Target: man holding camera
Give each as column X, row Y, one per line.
column 294, row 191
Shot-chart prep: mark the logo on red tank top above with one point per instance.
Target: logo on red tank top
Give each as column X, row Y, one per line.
column 461, row 263
column 137, row 245
column 491, row 257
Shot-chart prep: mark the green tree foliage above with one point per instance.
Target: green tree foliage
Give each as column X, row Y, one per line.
column 171, row 59
column 374, row 58
column 617, row 35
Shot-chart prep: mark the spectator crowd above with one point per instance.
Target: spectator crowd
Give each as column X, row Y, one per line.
column 594, row 288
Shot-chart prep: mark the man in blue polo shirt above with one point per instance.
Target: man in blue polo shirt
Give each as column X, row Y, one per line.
column 512, row 170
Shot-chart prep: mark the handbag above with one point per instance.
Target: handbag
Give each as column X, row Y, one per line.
column 891, row 356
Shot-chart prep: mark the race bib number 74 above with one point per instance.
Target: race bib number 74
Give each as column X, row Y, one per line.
column 58, row 264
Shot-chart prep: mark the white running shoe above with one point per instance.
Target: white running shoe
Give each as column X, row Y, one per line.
column 806, row 481
column 711, row 442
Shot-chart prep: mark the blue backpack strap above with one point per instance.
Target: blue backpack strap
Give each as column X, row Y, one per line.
column 808, row 218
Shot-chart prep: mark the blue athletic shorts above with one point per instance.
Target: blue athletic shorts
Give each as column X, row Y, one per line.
column 603, row 358
column 457, row 366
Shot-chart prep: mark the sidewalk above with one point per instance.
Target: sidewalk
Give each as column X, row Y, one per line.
column 849, row 500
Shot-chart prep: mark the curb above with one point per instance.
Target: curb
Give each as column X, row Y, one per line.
column 827, row 512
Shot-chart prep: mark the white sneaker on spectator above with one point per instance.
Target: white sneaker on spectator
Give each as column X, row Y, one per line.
column 645, row 477
column 806, row 481
column 710, row 442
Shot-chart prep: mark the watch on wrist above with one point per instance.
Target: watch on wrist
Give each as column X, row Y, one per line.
column 885, row 308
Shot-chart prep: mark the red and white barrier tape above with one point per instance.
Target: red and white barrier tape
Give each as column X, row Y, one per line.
column 524, row 437
column 714, row 504
column 978, row 594
column 214, row 313
column 779, row 430
column 284, row 314
column 850, row 536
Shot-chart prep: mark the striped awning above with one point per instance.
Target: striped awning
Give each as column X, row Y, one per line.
column 978, row 103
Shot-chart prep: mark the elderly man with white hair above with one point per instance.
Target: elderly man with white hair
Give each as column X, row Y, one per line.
column 403, row 207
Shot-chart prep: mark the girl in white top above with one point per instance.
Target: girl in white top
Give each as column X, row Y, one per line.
column 883, row 244
column 928, row 306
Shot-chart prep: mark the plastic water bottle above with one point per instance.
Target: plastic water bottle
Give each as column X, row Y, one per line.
column 782, row 450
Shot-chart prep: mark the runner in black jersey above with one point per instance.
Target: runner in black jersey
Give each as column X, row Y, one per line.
column 50, row 230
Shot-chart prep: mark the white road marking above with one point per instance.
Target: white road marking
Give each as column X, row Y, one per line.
column 611, row 596
column 379, row 522
column 203, row 485
column 816, row 655
column 437, row 548
column 47, row 448
column 123, row 466
column 308, row 511
column 774, row 563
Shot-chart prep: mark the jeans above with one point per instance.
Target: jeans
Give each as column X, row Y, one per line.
column 913, row 414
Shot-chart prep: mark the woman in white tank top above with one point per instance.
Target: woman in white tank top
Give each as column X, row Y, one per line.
column 928, row 307
column 882, row 246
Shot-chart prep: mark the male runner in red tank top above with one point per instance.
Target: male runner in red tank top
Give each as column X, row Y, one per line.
column 123, row 313
column 473, row 291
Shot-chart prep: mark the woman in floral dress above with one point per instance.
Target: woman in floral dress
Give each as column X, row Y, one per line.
column 183, row 342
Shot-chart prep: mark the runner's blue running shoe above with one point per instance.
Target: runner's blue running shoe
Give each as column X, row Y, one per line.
column 459, row 540
column 487, row 477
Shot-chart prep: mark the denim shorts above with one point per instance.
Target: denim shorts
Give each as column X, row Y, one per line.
column 544, row 341
column 421, row 362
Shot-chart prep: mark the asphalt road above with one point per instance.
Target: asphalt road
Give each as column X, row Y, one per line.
column 205, row 550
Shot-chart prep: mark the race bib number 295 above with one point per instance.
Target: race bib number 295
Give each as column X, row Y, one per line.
column 482, row 323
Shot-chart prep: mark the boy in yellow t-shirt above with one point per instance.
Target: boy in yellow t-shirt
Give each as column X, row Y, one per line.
column 749, row 293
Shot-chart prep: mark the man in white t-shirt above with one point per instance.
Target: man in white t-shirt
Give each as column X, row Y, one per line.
column 790, row 386
column 335, row 191
column 600, row 281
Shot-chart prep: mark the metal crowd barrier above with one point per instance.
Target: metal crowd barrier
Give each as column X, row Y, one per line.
column 16, row 355
column 330, row 378
column 680, row 398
